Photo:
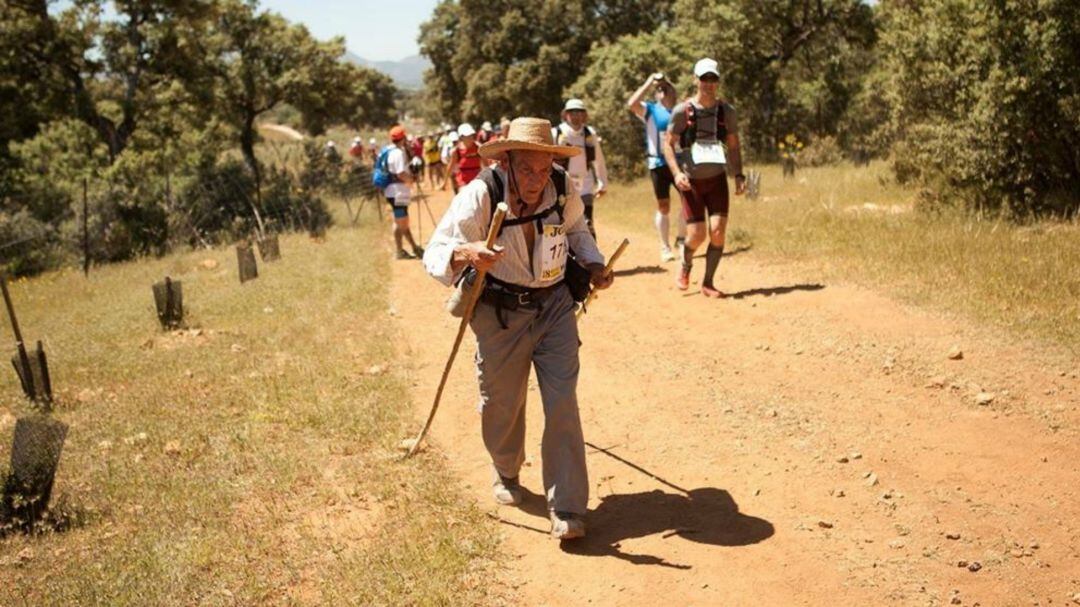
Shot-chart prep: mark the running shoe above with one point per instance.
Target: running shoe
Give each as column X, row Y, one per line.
column 682, row 281
column 418, row 252
column 401, row 254
column 711, row 291
column 666, row 254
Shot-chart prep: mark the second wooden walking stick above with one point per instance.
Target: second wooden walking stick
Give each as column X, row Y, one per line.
column 607, row 270
column 472, row 295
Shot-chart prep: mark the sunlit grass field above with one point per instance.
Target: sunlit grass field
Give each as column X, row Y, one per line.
column 247, row 459
column 856, row 224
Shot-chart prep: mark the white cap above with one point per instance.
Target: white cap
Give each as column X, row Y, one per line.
column 356, row 140
column 486, row 126
column 329, row 144
column 466, row 130
column 454, row 136
column 371, row 141
column 573, row 104
column 706, row 66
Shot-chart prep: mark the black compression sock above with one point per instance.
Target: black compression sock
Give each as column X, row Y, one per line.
column 712, row 261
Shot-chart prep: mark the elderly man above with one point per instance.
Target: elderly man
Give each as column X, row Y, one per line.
column 526, row 313
column 588, row 171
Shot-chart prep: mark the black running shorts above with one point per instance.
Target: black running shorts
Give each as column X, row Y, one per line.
column 662, row 181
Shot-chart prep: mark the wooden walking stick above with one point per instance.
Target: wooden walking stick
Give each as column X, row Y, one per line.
column 607, row 270
column 472, row 295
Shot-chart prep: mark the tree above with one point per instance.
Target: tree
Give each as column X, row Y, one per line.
column 788, row 67
column 108, row 71
column 372, row 100
column 985, row 98
column 256, row 61
column 791, row 66
column 515, row 57
column 614, row 72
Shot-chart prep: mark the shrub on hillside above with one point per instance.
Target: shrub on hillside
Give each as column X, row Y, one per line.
column 820, row 152
column 986, row 98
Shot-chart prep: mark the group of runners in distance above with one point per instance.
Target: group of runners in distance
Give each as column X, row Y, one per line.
column 692, row 145
column 545, row 259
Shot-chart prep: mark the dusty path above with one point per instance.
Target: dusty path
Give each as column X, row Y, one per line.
column 798, row 444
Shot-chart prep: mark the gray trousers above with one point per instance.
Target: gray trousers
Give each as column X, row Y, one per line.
column 548, row 340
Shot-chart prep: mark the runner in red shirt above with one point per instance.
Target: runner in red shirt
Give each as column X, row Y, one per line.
column 465, row 163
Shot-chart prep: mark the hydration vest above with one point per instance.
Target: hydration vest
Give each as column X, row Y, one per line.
column 694, row 117
column 590, row 147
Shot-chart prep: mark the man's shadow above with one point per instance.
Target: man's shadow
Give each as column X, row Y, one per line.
column 706, row 515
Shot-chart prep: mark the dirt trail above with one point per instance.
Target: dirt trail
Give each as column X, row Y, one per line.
column 796, row 444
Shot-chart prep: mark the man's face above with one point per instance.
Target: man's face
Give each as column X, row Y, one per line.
column 531, row 171
column 577, row 118
column 709, row 84
column 469, row 140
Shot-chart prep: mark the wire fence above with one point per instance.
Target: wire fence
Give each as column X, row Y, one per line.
column 94, row 219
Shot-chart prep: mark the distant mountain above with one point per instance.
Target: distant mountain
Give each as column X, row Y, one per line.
column 407, row 73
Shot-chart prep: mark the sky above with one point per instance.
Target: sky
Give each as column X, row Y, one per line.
column 383, row 30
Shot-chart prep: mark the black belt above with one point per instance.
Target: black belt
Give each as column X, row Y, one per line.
column 508, row 296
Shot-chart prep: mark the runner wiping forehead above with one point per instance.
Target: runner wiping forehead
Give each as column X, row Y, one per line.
column 656, row 115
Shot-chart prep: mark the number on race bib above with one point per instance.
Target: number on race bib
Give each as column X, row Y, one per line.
column 553, row 251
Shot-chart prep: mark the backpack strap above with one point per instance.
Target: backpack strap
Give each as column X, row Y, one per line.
column 689, row 135
column 497, row 193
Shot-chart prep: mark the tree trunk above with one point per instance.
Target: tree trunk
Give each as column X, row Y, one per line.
column 85, row 228
column 247, row 146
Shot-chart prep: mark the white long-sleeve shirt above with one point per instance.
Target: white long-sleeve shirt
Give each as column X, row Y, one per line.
column 468, row 218
column 579, row 168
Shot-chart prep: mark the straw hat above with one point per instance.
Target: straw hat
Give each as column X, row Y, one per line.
column 528, row 134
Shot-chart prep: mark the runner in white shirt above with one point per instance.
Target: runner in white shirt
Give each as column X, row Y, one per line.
column 398, row 193
column 588, row 171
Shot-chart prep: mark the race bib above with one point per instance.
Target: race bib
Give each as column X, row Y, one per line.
column 708, row 152
column 402, row 199
column 552, row 253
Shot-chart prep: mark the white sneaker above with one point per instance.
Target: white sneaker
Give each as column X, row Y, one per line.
column 666, row 254
column 566, row 525
column 507, row 491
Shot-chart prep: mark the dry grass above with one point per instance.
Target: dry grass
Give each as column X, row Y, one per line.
column 249, row 459
column 1022, row 278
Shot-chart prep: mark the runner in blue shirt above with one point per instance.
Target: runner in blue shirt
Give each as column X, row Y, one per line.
column 656, row 114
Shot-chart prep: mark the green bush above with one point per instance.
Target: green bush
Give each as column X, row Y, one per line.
column 27, row 245
column 986, row 97
column 215, row 203
column 821, row 152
